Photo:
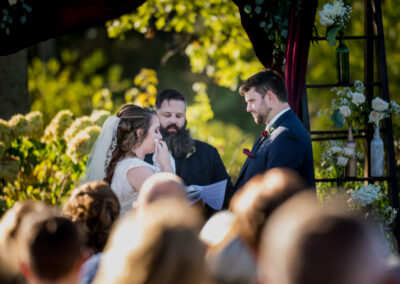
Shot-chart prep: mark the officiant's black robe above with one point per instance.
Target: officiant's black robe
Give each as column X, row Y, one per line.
column 203, row 167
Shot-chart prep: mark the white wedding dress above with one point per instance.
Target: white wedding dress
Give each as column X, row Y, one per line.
column 119, row 184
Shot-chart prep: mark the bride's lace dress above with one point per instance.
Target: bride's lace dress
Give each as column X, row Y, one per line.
column 119, row 184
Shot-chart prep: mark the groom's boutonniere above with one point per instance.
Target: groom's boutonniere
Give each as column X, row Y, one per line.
column 267, row 133
column 248, row 153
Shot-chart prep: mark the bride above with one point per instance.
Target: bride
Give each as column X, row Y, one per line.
column 118, row 154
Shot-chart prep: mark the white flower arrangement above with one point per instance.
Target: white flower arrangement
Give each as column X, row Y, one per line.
column 348, row 106
column 370, row 199
column 382, row 109
column 336, row 14
column 336, row 155
column 334, row 17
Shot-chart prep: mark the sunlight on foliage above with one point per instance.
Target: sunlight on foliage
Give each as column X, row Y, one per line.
column 209, row 32
column 145, row 93
column 73, row 83
column 44, row 164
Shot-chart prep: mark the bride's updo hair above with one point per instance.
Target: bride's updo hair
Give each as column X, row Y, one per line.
column 132, row 118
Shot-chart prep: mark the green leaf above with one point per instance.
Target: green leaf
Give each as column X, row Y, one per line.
column 257, row 10
column 259, row 2
column 247, row 9
column 331, row 35
column 337, row 119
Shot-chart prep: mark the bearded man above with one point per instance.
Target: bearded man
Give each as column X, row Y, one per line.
column 284, row 142
column 196, row 162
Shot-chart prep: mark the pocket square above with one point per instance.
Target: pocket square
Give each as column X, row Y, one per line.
column 248, row 153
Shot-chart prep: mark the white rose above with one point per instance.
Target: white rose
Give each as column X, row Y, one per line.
column 376, row 116
column 12, row 2
column 379, row 104
column 357, row 98
column 345, row 111
column 342, row 161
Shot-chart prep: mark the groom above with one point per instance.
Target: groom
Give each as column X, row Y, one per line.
column 285, row 142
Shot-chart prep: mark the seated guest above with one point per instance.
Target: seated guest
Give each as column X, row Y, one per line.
column 10, row 225
column 94, row 207
column 160, row 246
column 259, row 198
column 304, row 245
column 228, row 259
column 160, row 185
column 50, row 250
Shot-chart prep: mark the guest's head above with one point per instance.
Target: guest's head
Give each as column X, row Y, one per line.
column 171, row 110
column 304, row 244
column 392, row 270
column 94, row 207
column 161, row 185
column 51, row 250
column 137, row 129
column 228, row 259
column 10, row 227
column 265, row 94
column 159, row 246
column 259, row 197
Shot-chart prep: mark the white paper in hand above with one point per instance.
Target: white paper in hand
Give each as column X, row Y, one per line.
column 213, row 194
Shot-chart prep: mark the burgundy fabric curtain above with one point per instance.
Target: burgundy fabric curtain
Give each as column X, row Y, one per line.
column 299, row 37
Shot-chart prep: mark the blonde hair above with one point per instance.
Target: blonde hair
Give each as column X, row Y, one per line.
column 95, row 208
column 160, row 246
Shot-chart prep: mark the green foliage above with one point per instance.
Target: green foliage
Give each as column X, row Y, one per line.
column 209, row 32
column 74, row 83
column 337, row 118
column 45, row 164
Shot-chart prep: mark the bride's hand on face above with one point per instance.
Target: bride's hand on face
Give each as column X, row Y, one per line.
column 163, row 155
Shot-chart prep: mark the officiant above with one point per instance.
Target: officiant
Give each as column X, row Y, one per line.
column 196, row 162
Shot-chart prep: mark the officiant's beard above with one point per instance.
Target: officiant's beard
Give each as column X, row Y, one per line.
column 180, row 143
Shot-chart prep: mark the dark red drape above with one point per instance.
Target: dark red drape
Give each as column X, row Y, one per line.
column 299, row 37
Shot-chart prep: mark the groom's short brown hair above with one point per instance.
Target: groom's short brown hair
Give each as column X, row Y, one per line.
column 266, row 80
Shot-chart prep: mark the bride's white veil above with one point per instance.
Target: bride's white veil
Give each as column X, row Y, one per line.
column 100, row 155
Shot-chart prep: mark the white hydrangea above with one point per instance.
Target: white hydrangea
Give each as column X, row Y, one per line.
column 379, row 105
column 345, row 111
column 342, row 161
column 336, row 149
column 365, row 195
column 357, row 98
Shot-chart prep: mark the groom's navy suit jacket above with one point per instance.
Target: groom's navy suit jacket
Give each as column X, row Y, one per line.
column 288, row 146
